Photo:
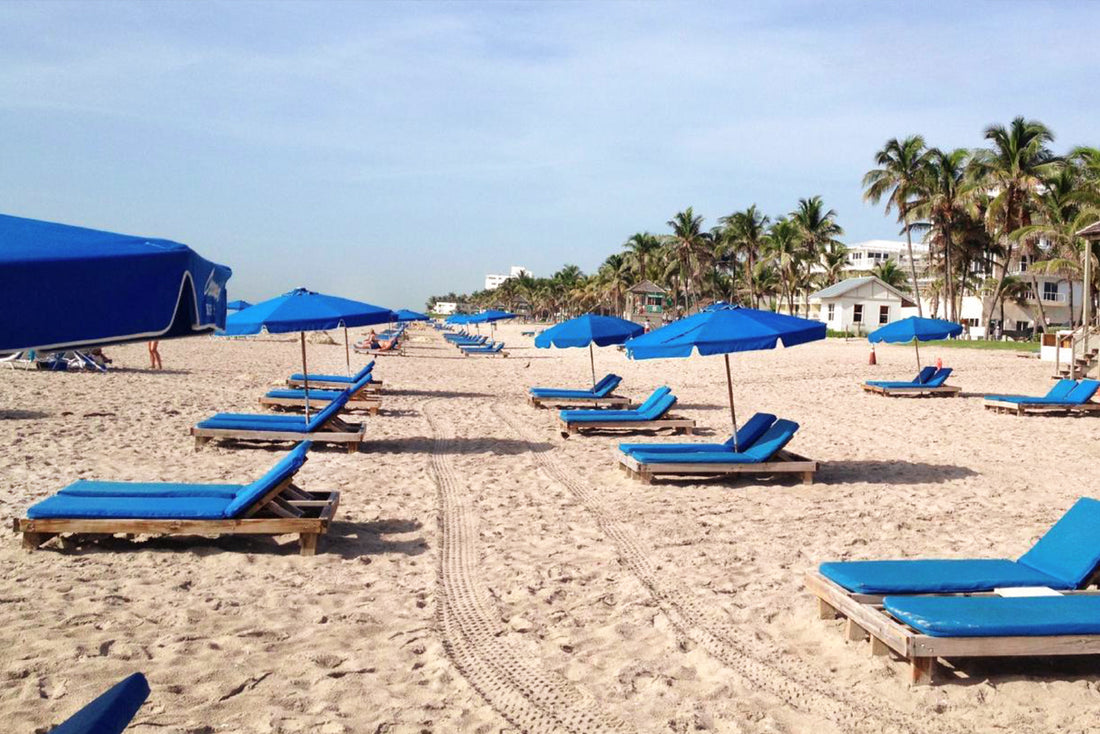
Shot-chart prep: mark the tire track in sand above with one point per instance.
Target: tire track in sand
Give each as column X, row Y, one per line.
column 762, row 666
column 529, row 697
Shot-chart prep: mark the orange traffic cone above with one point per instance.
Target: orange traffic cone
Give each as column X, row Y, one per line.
column 872, row 360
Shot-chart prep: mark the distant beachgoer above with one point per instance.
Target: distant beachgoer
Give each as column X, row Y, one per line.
column 372, row 340
column 154, row 356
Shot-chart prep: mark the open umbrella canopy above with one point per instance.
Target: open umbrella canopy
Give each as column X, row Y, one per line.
column 725, row 330
column 914, row 327
column 407, row 315
column 63, row 286
column 304, row 310
column 489, row 316
column 586, row 330
column 458, row 318
column 237, row 305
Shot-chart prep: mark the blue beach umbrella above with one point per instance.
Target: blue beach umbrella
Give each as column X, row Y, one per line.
column 303, row 310
column 237, row 305
column 407, row 315
column 491, row 316
column 915, row 329
column 584, row 331
column 64, row 287
column 724, row 330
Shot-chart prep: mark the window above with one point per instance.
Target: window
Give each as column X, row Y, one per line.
column 832, row 311
column 883, row 315
column 1050, row 291
column 1023, row 325
column 857, row 313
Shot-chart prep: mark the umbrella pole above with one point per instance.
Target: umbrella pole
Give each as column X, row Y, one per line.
column 305, row 372
column 592, row 363
column 347, row 351
column 916, row 345
column 733, row 412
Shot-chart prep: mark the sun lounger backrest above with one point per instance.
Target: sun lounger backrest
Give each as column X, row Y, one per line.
column 751, row 432
column 287, row 467
column 925, row 374
column 1061, row 389
column 606, row 385
column 1070, row 550
column 776, row 437
column 939, row 378
column 652, row 399
column 336, row 405
column 1083, row 392
column 112, row 711
column 659, row 408
column 365, row 371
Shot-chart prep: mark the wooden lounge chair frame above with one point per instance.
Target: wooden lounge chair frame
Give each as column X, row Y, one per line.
column 676, row 425
column 783, row 462
column 501, row 353
column 1004, row 406
column 609, row 401
column 943, row 391
column 285, row 510
column 374, row 386
column 372, row 405
column 334, row 430
column 867, row 620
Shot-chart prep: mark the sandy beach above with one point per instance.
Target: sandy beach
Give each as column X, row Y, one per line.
column 486, row 575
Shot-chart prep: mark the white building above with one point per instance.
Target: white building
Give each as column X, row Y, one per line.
column 866, row 255
column 493, row 280
column 859, row 305
column 445, row 308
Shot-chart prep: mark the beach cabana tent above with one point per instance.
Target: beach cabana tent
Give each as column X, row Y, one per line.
column 915, row 329
column 724, row 330
column 65, row 287
column 586, row 330
column 303, row 310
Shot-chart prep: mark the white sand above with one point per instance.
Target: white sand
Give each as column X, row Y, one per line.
column 486, row 575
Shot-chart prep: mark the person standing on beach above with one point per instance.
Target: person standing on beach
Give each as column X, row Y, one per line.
column 154, row 356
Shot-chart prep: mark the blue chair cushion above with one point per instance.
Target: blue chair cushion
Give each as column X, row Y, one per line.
column 776, row 437
column 939, row 378
column 1061, row 389
column 1070, row 550
column 994, row 616
column 649, row 411
column 256, row 422
column 287, row 467
column 134, row 508
column 1083, row 392
column 111, row 712
column 602, row 389
column 747, row 435
column 932, row 576
column 91, row 488
column 320, row 396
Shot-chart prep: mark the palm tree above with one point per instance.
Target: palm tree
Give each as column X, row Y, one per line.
column 744, row 234
column 1012, row 171
column 835, row 260
column 941, row 197
column 817, row 231
column 643, row 249
column 888, row 272
column 686, row 245
column 901, row 169
column 784, row 249
column 614, row 275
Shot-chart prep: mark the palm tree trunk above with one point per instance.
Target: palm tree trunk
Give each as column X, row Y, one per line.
column 912, row 264
column 1039, row 300
column 947, row 278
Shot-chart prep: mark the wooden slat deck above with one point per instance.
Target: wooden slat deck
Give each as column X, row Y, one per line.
column 785, row 463
column 866, row 619
column 611, row 401
column 672, row 423
column 374, row 386
column 334, row 430
column 943, row 391
column 1003, row 406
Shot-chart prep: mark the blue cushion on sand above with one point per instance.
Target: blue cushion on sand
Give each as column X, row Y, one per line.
column 932, row 576
column 994, row 616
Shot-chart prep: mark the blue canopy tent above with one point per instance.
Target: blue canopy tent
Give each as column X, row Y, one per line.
column 586, row 330
column 723, row 330
column 405, row 314
column 63, row 287
column 915, row 329
column 303, row 310
column 237, row 305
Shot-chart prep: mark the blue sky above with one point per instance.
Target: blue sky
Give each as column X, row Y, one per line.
column 390, row 151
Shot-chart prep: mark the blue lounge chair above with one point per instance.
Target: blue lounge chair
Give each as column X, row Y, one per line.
column 496, row 348
column 296, row 398
column 764, row 455
column 325, row 426
column 338, row 382
column 272, row 505
column 111, row 712
column 598, row 397
column 931, row 384
column 1076, row 400
column 1064, row 558
column 747, row 435
column 651, row 415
